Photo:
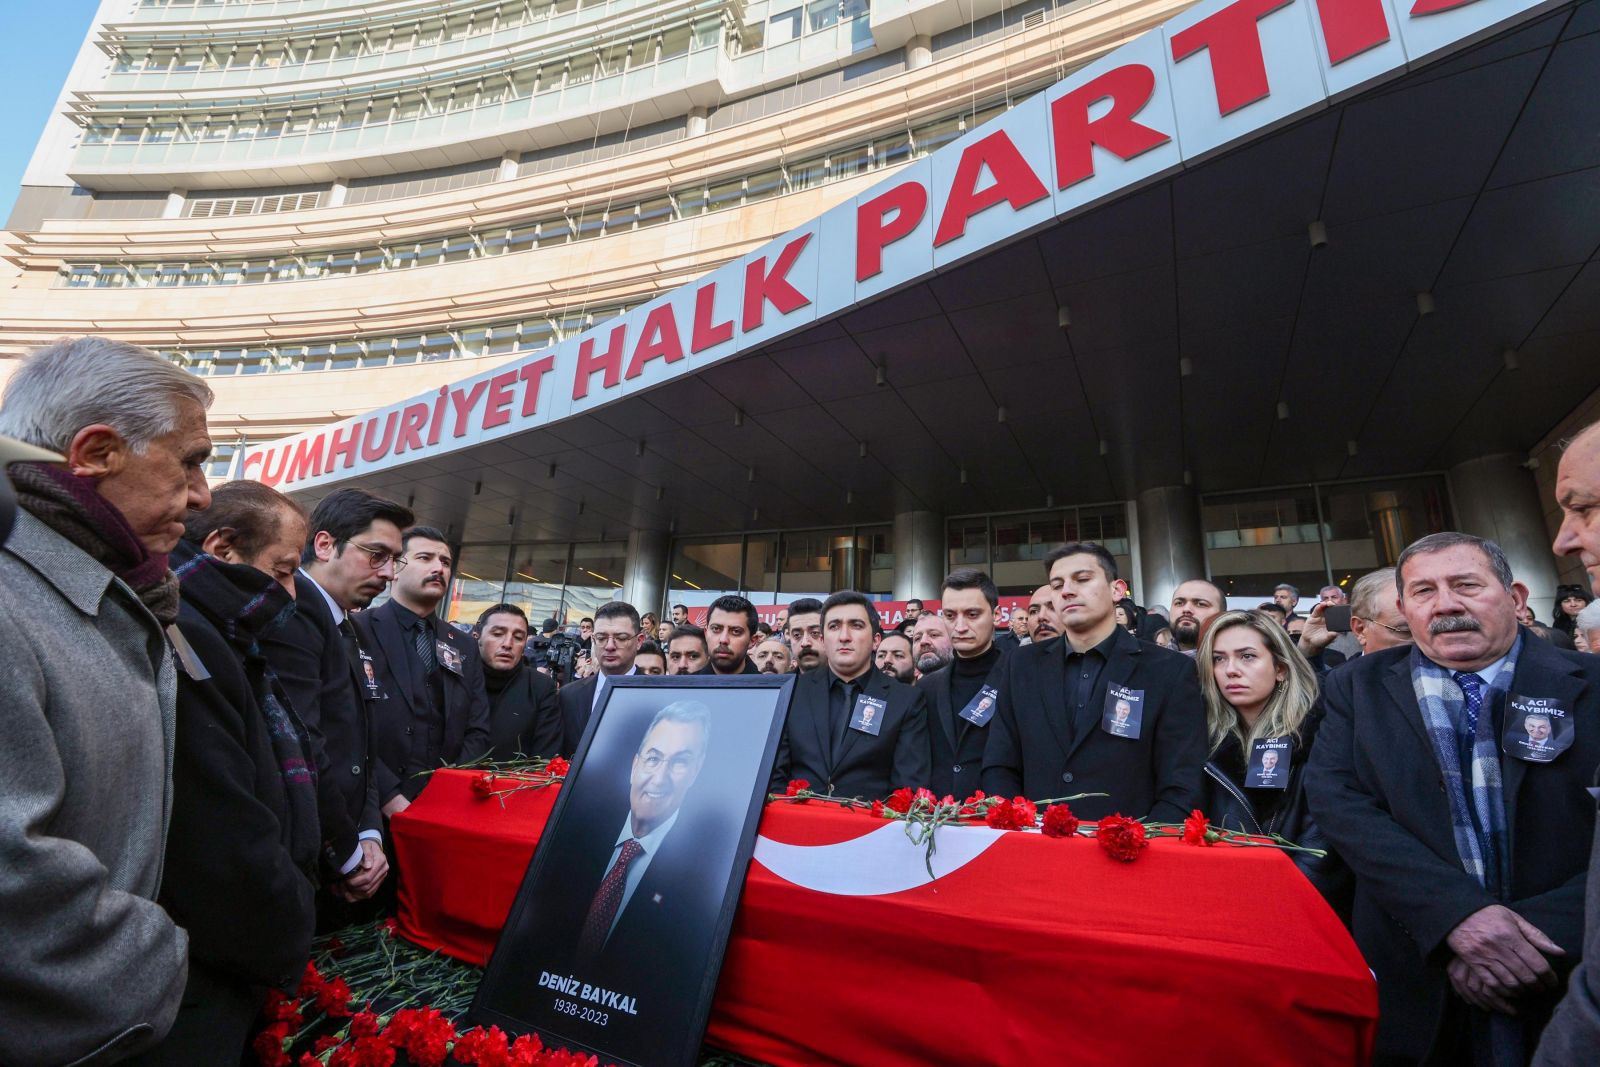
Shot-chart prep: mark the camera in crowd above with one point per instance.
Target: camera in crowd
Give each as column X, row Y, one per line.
column 555, row 651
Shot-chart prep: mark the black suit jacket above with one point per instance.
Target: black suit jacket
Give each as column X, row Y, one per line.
column 465, row 731
column 956, row 745
column 1034, row 751
column 1376, row 791
column 308, row 655
column 576, row 700
column 852, row 763
column 749, row 668
column 525, row 717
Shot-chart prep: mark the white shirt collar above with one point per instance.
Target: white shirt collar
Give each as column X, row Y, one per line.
column 650, row 841
column 339, row 613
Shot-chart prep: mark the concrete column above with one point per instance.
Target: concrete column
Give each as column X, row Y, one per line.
column 644, row 578
column 1171, row 546
column 919, row 52
column 698, row 119
column 337, row 193
column 175, row 201
column 508, row 167
column 920, row 561
column 1496, row 497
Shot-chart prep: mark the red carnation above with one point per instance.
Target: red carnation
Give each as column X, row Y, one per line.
column 969, row 806
column 1018, row 813
column 557, row 767
column 1059, row 821
column 1122, row 838
column 925, row 796
column 365, row 1052
column 333, row 999
column 877, row 810
column 268, row 1046
column 1196, row 831
column 486, row 1048
column 311, row 981
column 526, row 1051
column 307, row 1060
column 900, row 800
column 796, row 785
column 281, row 1008
column 391, row 926
column 365, row 1024
column 424, row 1033
column 483, row 785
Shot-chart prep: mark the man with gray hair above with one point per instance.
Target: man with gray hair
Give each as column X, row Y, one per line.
column 93, row 968
column 1588, row 624
column 1469, row 859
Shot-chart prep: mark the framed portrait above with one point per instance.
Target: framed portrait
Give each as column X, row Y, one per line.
column 616, row 937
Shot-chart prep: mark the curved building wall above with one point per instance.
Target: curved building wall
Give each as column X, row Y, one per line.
column 303, row 303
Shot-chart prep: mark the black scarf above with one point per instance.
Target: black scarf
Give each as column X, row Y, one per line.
column 496, row 681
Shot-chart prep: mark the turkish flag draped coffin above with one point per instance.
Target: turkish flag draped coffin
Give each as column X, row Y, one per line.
column 1021, row 950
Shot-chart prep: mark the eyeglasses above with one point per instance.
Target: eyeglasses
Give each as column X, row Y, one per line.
column 614, row 639
column 1398, row 631
column 379, row 557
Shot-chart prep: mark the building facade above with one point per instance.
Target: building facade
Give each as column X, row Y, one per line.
column 327, row 207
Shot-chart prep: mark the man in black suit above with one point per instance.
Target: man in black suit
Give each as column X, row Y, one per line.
column 963, row 696
column 730, row 627
column 1051, row 735
column 616, row 639
column 349, row 558
column 524, row 715
column 852, row 730
column 1469, row 862
column 438, row 708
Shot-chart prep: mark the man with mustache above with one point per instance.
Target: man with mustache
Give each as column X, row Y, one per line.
column 1194, row 604
column 1045, row 626
column 1469, row 862
column 438, row 707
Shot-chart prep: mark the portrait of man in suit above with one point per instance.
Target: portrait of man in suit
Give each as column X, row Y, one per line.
column 1269, row 763
column 1537, row 728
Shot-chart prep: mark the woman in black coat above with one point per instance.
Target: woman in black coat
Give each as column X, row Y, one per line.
column 243, row 842
column 1570, row 599
column 1262, row 715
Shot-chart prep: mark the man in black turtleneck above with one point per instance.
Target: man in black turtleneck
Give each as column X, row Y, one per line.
column 962, row 696
column 524, row 712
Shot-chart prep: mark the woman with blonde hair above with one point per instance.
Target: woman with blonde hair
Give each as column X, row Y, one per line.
column 1261, row 717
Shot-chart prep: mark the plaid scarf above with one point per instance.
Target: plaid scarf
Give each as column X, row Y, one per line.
column 245, row 605
column 1477, row 799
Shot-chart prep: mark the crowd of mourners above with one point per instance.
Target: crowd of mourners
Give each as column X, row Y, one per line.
column 209, row 726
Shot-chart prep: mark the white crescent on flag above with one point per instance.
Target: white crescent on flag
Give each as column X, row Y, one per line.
column 883, row 861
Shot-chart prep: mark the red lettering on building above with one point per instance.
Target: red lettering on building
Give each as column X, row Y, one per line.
column 463, row 402
column 307, row 460
column 763, row 286
column 1129, row 88
column 251, row 459
column 345, row 442
column 372, row 451
column 875, row 231
column 436, row 426
column 270, row 476
column 1350, row 27
column 609, row 361
column 705, row 333
column 1433, row 7
column 533, row 373
column 1230, row 34
column 1014, row 182
column 658, row 339
column 496, row 410
column 412, row 419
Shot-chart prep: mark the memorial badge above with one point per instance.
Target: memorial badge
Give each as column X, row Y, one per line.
column 1124, row 712
column 980, row 709
column 369, row 678
column 449, row 658
column 868, row 714
column 1269, row 764
column 1538, row 729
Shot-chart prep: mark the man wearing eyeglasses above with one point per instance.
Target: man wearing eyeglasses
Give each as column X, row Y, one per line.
column 616, row 643
column 438, row 707
column 348, row 559
column 1375, row 623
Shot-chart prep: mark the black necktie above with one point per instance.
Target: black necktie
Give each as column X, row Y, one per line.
column 423, row 636
column 844, row 698
column 352, row 646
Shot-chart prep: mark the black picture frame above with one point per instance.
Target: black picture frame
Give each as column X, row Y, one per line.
column 655, row 1014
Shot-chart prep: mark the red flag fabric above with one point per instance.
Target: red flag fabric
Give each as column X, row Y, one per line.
column 1024, row 950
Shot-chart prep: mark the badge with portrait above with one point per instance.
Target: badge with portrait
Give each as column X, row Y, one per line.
column 1269, row 764
column 449, row 658
column 1538, row 729
column 868, row 714
column 981, row 708
column 1124, row 711
column 369, row 678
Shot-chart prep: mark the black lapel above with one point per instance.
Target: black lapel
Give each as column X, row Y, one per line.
column 1119, row 669
column 942, row 702
column 1541, row 672
column 820, row 679
column 1397, row 680
column 396, row 652
column 1052, row 691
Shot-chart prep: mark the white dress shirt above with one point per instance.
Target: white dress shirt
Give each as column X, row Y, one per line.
column 651, row 843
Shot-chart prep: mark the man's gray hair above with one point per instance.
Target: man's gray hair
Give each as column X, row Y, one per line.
column 1285, row 585
column 1589, row 617
column 1439, row 542
column 82, row 381
column 1364, row 602
column 684, row 711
